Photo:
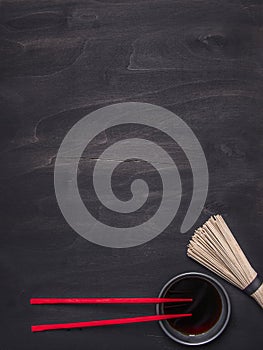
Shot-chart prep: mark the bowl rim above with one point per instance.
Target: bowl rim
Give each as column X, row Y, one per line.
column 218, row 285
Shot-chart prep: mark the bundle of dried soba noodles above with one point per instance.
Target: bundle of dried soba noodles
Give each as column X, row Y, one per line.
column 214, row 246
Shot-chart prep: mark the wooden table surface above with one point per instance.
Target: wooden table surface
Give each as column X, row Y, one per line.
column 61, row 60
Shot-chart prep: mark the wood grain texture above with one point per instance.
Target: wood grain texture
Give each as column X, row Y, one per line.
column 60, row 60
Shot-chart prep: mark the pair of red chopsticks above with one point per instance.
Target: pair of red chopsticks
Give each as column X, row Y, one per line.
column 46, row 327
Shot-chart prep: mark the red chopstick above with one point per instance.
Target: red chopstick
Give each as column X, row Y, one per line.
column 49, row 327
column 39, row 301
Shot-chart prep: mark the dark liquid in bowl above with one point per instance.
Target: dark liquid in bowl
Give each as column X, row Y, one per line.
column 206, row 306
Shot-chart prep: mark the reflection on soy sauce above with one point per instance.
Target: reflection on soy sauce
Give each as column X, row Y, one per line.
column 206, row 307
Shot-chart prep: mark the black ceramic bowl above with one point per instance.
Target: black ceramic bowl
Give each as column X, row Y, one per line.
column 210, row 308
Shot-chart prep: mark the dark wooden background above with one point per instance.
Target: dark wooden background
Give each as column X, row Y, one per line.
column 60, row 60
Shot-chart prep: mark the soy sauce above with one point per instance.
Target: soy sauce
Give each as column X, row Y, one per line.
column 206, row 307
